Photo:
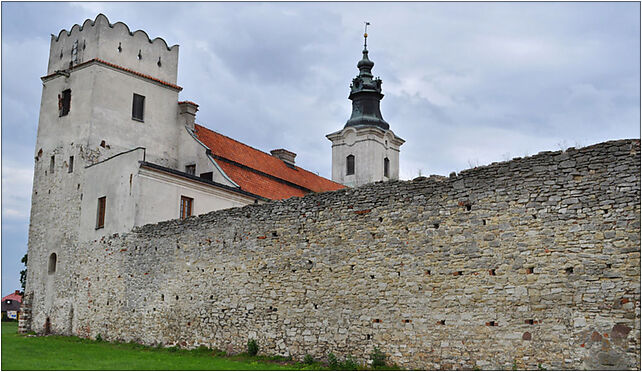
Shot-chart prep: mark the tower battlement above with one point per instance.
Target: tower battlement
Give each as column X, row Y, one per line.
column 114, row 43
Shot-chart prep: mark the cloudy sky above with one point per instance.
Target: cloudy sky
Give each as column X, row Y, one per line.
column 465, row 84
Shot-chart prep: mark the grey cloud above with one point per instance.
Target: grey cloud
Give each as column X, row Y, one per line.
column 463, row 82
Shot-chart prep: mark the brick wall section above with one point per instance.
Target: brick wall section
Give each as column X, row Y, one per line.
column 529, row 263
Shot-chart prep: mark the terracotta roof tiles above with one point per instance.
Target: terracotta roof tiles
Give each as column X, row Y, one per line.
column 261, row 173
column 13, row 296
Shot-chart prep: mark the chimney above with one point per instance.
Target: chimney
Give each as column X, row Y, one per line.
column 285, row 155
column 187, row 111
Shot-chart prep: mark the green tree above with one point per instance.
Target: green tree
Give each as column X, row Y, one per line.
column 23, row 273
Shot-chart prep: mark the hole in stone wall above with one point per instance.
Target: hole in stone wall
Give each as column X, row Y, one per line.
column 398, row 273
column 529, row 270
column 78, row 187
column 534, row 216
column 376, row 320
column 484, row 222
column 569, row 270
column 428, row 272
column 140, row 55
column 293, row 270
column 352, row 267
column 211, row 297
column 177, row 297
column 529, row 321
column 380, row 219
column 120, row 49
column 442, row 322
column 458, row 273
column 492, row 272
column 315, row 306
column 159, row 62
column 368, row 337
column 406, row 321
column 274, row 234
column 492, row 323
column 371, row 276
column 102, row 144
column 162, row 297
column 435, row 225
column 606, row 211
column 608, row 265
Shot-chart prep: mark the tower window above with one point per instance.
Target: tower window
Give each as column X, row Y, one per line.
column 100, row 215
column 52, row 264
column 350, row 165
column 64, row 102
column 186, row 206
column 386, row 167
column 138, row 107
column 71, row 164
column 52, row 164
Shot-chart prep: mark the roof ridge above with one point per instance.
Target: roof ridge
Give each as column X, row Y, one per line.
column 119, row 67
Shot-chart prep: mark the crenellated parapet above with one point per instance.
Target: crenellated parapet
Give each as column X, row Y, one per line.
column 114, row 43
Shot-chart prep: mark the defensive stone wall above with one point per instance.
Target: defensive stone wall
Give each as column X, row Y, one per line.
column 532, row 263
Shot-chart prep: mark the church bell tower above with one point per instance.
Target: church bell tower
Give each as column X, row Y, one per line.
column 365, row 150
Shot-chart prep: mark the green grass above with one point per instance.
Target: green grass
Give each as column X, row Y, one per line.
column 73, row 353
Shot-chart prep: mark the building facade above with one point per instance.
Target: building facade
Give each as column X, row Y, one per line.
column 116, row 149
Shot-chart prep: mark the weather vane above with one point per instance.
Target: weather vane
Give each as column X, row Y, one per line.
column 365, row 34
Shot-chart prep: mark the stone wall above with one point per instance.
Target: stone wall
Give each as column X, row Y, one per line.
column 532, row 263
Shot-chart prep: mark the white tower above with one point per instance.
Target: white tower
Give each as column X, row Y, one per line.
column 107, row 90
column 365, row 150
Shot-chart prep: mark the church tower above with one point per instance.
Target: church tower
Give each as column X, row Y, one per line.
column 365, row 150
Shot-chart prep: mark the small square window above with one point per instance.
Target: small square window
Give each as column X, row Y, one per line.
column 100, row 215
column 138, row 107
column 190, row 169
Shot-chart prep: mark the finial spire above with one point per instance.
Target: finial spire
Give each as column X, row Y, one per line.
column 365, row 35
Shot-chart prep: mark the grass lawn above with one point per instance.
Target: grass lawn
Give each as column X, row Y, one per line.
column 72, row 353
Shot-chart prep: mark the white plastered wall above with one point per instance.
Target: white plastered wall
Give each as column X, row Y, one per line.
column 160, row 195
column 370, row 146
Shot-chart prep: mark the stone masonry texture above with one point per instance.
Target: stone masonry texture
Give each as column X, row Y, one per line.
column 532, row 263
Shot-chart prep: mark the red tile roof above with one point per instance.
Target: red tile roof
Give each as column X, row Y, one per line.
column 258, row 172
column 98, row 60
column 13, row 296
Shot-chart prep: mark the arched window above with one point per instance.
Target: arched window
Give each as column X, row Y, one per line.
column 386, row 167
column 350, row 165
column 52, row 264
